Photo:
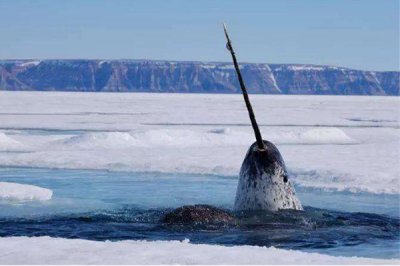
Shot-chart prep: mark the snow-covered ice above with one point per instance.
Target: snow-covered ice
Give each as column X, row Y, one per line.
column 333, row 142
column 23, row 192
column 46, row 250
column 8, row 143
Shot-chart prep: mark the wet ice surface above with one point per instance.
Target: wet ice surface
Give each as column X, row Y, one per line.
column 148, row 153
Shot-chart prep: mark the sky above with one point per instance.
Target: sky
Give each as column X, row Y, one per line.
column 361, row 34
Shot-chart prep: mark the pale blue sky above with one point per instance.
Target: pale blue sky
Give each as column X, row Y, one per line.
column 361, row 34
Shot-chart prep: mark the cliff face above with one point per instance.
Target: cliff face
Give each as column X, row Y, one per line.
column 170, row 76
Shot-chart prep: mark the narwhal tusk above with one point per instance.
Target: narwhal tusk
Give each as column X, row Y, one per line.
column 257, row 132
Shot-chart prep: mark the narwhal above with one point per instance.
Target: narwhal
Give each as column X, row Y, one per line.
column 263, row 178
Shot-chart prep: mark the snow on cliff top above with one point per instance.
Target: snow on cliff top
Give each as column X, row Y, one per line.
column 283, row 67
column 31, row 63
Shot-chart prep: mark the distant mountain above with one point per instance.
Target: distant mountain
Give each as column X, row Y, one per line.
column 194, row 77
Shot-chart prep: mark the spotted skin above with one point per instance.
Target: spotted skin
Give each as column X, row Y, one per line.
column 263, row 182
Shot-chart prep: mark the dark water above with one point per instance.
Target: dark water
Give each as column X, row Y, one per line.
column 312, row 229
column 101, row 205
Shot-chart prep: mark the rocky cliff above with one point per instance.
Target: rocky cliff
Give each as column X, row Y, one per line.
column 204, row 77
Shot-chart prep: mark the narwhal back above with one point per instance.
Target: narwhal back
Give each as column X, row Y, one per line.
column 263, row 181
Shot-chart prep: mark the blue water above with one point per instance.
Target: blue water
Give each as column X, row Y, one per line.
column 104, row 205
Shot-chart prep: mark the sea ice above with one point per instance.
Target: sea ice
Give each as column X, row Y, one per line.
column 47, row 250
column 7, row 143
column 328, row 142
column 22, row 192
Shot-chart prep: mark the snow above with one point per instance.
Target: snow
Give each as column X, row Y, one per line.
column 227, row 67
column 47, row 250
column 272, row 77
column 23, row 192
column 208, row 66
column 31, row 63
column 306, row 67
column 328, row 142
column 302, row 68
column 325, row 136
column 7, row 143
column 102, row 62
column 99, row 140
column 191, row 138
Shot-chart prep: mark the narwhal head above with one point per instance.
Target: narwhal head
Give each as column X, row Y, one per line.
column 264, row 162
column 263, row 181
column 263, row 178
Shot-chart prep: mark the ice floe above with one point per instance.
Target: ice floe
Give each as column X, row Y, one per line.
column 23, row 192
